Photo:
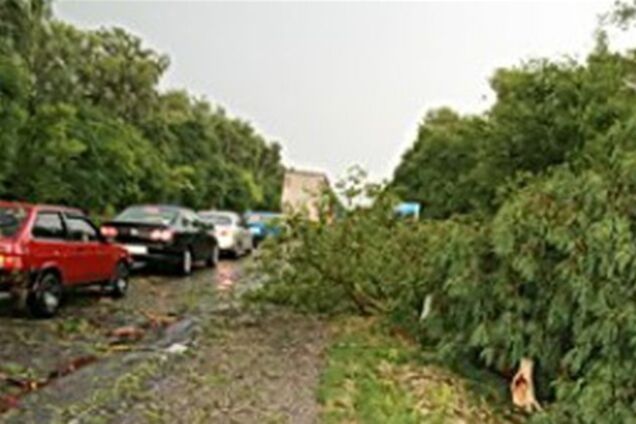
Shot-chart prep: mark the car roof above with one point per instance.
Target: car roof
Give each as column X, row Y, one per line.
column 175, row 208
column 228, row 214
column 156, row 205
column 41, row 206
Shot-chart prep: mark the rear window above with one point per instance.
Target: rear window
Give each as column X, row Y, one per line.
column 11, row 220
column 216, row 219
column 258, row 218
column 149, row 215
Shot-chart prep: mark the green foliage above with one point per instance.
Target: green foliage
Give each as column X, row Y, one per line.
column 84, row 123
column 527, row 247
column 546, row 114
column 82, row 157
column 355, row 387
column 374, row 375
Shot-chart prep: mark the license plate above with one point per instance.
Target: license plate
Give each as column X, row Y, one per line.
column 137, row 250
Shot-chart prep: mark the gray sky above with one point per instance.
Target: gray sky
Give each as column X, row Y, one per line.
column 345, row 83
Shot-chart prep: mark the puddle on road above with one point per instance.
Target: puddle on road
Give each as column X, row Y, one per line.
column 226, row 276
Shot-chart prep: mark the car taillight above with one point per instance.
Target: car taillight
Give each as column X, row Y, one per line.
column 109, row 232
column 11, row 262
column 161, row 235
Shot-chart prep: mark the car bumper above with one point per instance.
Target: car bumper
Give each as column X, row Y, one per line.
column 226, row 243
column 155, row 259
column 11, row 281
column 150, row 255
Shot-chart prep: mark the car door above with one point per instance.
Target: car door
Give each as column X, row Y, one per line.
column 198, row 237
column 48, row 246
column 88, row 254
column 189, row 233
column 204, row 239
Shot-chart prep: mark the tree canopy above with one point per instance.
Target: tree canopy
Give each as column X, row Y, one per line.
column 84, row 123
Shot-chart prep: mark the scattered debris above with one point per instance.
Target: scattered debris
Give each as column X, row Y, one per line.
column 8, row 402
column 27, row 385
column 72, row 366
column 177, row 349
column 126, row 334
column 159, row 320
column 151, row 319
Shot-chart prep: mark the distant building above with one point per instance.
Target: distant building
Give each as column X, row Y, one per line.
column 302, row 192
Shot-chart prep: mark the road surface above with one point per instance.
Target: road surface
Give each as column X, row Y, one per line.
column 178, row 350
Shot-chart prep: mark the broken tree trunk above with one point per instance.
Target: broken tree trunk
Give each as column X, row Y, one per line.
column 522, row 387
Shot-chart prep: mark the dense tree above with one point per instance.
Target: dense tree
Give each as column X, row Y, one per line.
column 83, row 122
column 436, row 170
column 527, row 245
column 546, row 114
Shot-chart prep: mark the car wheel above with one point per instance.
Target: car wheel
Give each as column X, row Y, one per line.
column 45, row 296
column 118, row 286
column 185, row 265
column 214, row 257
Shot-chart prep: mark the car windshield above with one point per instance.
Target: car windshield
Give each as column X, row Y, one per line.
column 149, row 215
column 216, row 218
column 11, row 220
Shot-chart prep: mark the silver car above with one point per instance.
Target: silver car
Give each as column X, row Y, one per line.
column 231, row 232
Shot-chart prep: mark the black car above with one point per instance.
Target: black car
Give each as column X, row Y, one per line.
column 161, row 234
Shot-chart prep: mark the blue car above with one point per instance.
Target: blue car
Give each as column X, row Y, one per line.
column 408, row 210
column 263, row 225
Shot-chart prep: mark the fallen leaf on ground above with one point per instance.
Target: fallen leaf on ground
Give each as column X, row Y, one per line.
column 128, row 333
column 8, row 402
column 159, row 320
column 72, row 366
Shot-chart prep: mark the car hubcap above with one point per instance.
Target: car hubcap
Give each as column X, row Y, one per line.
column 50, row 301
column 121, row 284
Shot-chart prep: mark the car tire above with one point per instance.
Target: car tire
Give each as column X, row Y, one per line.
column 213, row 260
column 118, row 286
column 45, row 296
column 185, row 263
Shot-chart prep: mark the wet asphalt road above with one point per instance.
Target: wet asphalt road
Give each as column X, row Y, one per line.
column 91, row 327
column 193, row 353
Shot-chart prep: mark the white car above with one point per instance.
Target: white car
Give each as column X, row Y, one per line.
column 231, row 232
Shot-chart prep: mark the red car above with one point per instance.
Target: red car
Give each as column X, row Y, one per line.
column 45, row 249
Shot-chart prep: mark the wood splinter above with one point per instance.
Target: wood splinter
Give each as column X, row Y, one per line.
column 522, row 387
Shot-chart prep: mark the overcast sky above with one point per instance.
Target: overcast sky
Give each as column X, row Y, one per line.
column 345, row 83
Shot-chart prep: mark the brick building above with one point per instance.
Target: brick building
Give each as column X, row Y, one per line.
column 302, row 191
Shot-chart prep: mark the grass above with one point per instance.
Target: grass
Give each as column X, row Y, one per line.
column 372, row 376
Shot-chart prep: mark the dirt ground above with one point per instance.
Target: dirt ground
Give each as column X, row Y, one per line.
column 176, row 350
column 248, row 368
